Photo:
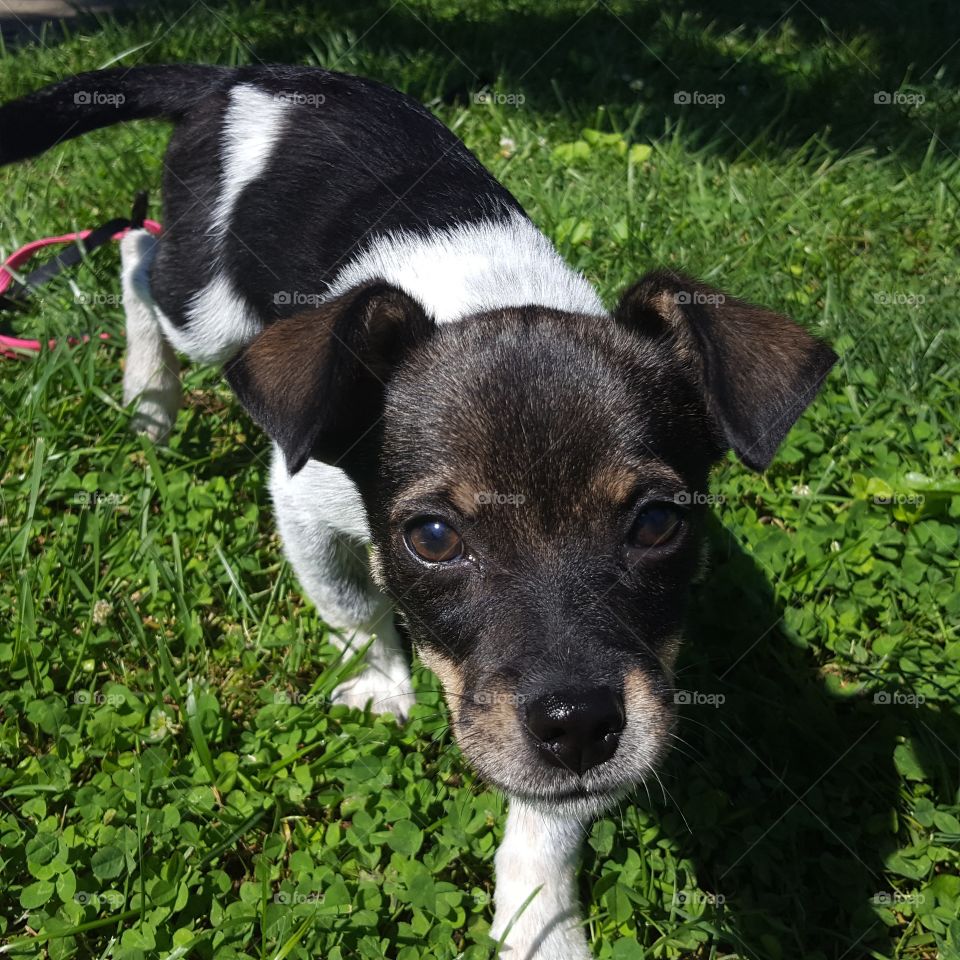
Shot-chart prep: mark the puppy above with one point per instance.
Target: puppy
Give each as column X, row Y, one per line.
column 464, row 437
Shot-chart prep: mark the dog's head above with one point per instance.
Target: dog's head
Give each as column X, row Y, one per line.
column 535, row 483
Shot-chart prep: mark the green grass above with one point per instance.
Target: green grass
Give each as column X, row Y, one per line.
column 172, row 783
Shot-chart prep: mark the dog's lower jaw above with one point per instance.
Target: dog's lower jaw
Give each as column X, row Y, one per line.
column 540, row 849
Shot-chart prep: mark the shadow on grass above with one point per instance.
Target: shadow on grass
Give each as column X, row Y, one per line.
column 790, row 793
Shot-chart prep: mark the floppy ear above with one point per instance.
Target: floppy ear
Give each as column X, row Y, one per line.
column 758, row 370
column 315, row 381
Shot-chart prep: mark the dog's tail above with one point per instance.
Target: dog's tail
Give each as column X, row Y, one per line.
column 101, row 98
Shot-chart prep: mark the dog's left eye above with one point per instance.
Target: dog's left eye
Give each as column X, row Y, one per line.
column 655, row 525
column 434, row 540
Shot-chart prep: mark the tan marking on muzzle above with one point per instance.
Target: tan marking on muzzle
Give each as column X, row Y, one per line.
column 668, row 656
column 449, row 675
column 501, row 713
column 639, row 700
column 495, row 733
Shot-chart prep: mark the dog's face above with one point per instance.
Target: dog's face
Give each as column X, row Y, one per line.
column 532, row 522
column 535, row 483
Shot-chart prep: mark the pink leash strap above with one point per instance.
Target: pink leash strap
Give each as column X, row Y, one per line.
column 17, row 347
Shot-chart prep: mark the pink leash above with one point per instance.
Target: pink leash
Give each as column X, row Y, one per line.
column 16, row 347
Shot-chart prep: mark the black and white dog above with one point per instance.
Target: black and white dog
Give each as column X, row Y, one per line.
column 526, row 468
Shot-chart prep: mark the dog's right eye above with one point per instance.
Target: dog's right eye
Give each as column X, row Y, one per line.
column 655, row 526
column 434, row 540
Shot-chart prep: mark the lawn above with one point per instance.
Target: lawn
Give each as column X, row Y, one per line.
column 172, row 780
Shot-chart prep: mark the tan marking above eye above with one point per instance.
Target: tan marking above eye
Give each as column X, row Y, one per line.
column 460, row 492
column 464, row 496
column 618, row 483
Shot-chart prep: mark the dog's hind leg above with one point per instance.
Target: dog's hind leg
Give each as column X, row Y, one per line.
column 151, row 376
column 324, row 531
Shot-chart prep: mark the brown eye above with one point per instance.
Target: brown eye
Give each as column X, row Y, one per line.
column 656, row 525
column 434, row 541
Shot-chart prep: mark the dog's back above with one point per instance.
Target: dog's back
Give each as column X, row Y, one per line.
column 274, row 174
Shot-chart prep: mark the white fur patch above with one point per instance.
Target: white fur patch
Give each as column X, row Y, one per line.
column 471, row 268
column 318, row 496
column 219, row 320
column 252, row 124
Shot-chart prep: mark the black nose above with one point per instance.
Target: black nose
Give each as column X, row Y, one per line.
column 577, row 729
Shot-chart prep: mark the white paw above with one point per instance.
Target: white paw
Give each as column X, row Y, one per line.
column 385, row 692
column 157, row 402
column 153, row 421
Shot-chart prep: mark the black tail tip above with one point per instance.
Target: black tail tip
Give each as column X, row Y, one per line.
column 27, row 129
column 14, row 135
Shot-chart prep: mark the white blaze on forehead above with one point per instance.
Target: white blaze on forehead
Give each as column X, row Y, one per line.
column 472, row 268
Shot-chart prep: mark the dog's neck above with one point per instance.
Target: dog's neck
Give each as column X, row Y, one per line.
column 473, row 268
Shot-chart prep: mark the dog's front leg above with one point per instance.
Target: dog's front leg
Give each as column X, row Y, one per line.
column 323, row 526
column 540, row 849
